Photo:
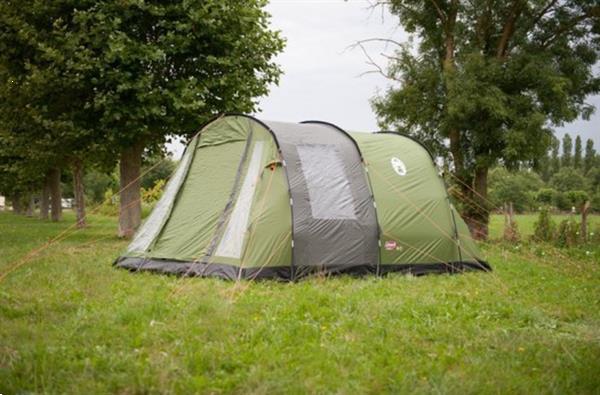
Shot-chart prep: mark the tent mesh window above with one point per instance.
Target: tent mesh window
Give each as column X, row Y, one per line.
column 328, row 186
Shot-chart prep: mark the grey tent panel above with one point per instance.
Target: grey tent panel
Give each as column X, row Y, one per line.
column 334, row 222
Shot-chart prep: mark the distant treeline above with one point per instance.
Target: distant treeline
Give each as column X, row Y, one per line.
column 566, row 177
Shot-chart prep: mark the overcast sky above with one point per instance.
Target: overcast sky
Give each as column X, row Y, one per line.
column 324, row 79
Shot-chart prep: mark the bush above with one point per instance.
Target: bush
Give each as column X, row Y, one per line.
column 546, row 196
column 595, row 201
column 593, row 179
column 594, row 235
column 577, row 198
column 544, row 226
column 162, row 168
column 568, row 233
column 517, row 188
column 96, row 183
column 110, row 204
column 562, row 202
column 568, row 179
column 151, row 195
column 511, row 232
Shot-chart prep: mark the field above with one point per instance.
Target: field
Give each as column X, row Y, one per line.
column 70, row 323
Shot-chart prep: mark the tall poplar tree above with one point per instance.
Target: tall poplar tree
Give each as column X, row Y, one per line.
column 567, row 151
column 554, row 158
column 590, row 156
column 577, row 156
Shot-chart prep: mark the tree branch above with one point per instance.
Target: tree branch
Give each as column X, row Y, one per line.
column 543, row 12
column 593, row 12
column 440, row 13
column 371, row 62
column 509, row 28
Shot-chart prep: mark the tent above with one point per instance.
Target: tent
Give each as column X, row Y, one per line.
column 253, row 199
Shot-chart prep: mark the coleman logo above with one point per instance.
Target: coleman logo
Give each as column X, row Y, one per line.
column 398, row 166
column 390, row 245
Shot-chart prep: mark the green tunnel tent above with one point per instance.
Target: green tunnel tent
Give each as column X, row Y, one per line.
column 253, row 199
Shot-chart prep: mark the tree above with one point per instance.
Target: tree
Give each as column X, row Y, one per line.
column 577, row 198
column 116, row 78
column 555, row 159
column 546, row 196
column 491, row 77
column 41, row 81
column 590, row 156
column 593, row 179
column 567, row 179
column 517, row 188
column 158, row 167
column 567, row 155
column 161, row 69
column 97, row 183
column 578, row 153
column 19, row 177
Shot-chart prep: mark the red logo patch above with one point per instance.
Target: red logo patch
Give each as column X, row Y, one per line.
column 390, row 245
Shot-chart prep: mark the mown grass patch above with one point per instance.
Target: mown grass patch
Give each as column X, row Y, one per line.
column 70, row 323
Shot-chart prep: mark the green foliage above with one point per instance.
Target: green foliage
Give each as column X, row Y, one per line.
column 82, row 80
column 567, row 179
column 590, row 156
column 490, row 77
column 162, row 169
column 45, row 98
column 567, row 146
column 555, row 160
column 562, row 202
column 577, row 156
column 544, row 227
column 109, row 205
column 162, row 68
column 96, row 183
column 595, row 201
column 546, row 196
column 593, row 179
column 516, row 187
column 567, row 234
column 151, row 195
column 577, row 198
column 594, row 235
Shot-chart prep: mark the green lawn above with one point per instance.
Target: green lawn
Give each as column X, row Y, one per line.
column 70, row 323
column 526, row 223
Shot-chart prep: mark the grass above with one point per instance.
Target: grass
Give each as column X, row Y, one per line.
column 526, row 223
column 70, row 323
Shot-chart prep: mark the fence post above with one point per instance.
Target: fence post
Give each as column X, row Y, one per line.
column 584, row 213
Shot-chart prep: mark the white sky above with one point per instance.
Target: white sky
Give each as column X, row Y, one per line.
column 322, row 76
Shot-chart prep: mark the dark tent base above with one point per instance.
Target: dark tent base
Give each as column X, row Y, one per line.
column 285, row 273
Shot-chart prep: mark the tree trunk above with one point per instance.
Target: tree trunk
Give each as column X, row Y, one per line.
column 456, row 152
column 16, row 204
column 477, row 220
column 55, row 194
column 30, row 206
column 130, row 213
column 511, row 232
column 45, row 199
column 79, row 193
